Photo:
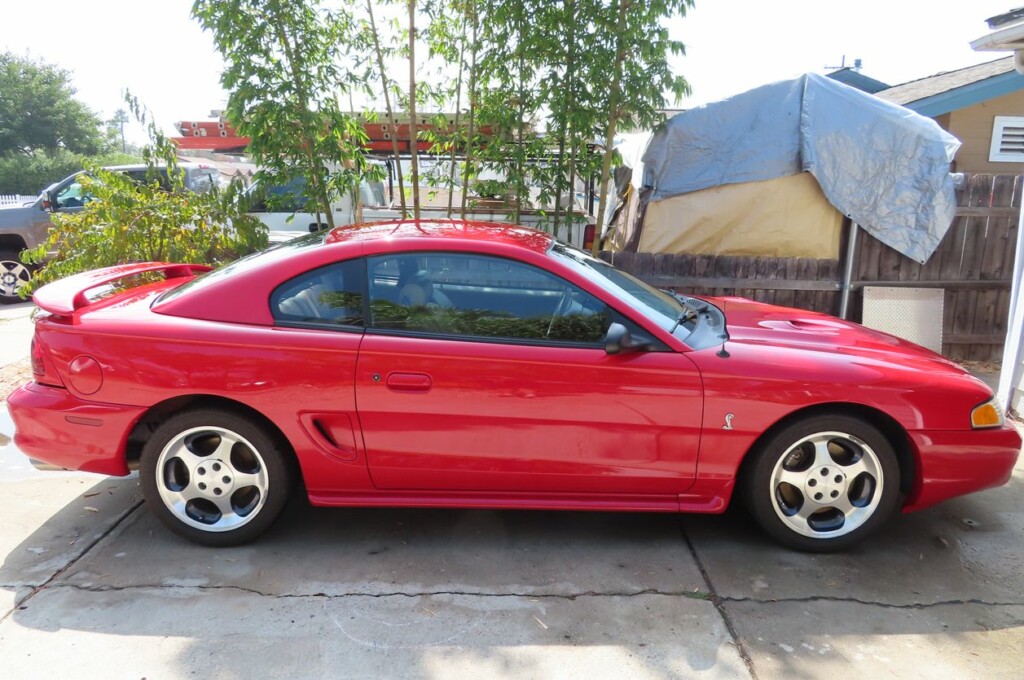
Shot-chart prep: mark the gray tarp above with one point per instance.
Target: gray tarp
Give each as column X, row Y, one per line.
column 882, row 165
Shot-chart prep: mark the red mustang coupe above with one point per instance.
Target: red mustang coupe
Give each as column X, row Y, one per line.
column 477, row 365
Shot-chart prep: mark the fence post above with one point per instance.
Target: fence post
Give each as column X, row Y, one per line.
column 851, row 252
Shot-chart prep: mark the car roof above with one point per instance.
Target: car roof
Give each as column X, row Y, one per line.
column 458, row 230
column 191, row 165
column 238, row 292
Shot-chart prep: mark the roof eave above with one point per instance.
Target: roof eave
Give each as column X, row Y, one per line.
column 1009, row 38
column 968, row 95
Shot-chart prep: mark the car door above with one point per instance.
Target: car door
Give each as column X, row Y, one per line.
column 318, row 326
column 480, row 373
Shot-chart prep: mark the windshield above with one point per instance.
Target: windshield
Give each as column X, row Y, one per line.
column 696, row 321
column 659, row 302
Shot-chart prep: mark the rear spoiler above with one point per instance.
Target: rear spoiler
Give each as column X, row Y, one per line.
column 67, row 295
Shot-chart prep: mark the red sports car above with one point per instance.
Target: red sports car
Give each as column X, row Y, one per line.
column 477, row 365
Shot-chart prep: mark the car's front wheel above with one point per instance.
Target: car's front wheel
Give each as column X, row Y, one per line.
column 14, row 275
column 215, row 477
column 823, row 483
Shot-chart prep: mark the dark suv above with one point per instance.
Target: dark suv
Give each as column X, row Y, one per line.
column 26, row 225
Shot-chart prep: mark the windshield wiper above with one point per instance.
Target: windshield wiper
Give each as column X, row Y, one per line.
column 685, row 315
column 692, row 307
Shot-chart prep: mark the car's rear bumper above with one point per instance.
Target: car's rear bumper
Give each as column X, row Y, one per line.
column 960, row 462
column 56, row 428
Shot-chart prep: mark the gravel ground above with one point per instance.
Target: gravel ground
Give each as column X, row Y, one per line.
column 13, row 376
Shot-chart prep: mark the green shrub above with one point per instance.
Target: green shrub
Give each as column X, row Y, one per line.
column 157, row 220
column 129, row 221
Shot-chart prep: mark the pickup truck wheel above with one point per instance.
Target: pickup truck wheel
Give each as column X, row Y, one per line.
column 14, row 275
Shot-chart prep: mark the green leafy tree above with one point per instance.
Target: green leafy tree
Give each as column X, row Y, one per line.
column 637, row 69
column 154, row 220
column 39, row 112
column 45, row 133
column 115, row 130
column 284, row 74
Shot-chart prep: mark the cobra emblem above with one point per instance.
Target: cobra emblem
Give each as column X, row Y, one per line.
column 728, row 422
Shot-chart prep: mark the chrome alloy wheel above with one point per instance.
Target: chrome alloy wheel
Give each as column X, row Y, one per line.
column 13, row 277
column 827, row 484
column 212, row 479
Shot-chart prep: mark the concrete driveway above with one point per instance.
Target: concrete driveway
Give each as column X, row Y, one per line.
column 91, row 586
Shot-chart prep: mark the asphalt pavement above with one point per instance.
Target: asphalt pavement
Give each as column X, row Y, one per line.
column 92, row 586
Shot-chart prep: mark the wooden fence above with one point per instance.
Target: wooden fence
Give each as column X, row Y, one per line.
column 973, row 264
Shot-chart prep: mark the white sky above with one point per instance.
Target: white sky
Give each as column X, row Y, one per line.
column 154, row 49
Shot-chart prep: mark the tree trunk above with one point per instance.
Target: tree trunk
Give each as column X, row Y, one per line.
column 614, row 113
column 472, row 113
column 458, row 115
column 521, row 96
column 412, row 111
column 348, row 164
column 567, row 86
column 387, row 106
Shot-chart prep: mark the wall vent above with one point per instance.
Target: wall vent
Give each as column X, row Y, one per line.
column 1007, row 140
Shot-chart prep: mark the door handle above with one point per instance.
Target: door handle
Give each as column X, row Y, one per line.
column 409, row 382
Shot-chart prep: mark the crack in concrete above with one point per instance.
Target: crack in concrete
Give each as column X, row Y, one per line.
column 700, row 596
column 870, row 603
column 86, row 547
column 717, row 601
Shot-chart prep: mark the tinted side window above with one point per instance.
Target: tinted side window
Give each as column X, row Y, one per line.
column 330, row 295
column 202, row 180
column 288, row 197
column 73, row 195
column 481, row 297
column 144, row 176
column 264, row 197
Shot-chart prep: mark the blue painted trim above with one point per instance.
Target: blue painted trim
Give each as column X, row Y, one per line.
column 968, row 95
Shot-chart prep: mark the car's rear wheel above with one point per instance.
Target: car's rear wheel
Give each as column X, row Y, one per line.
column 823, row 483
column 215, row 477
column 14, row 275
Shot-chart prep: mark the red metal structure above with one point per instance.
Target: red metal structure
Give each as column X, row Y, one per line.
column 220, row 136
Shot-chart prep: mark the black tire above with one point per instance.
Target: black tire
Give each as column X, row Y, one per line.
column 199, row 463
column 824, row 483
column 14, row 275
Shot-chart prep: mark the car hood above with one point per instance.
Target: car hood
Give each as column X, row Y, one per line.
column 755, row 323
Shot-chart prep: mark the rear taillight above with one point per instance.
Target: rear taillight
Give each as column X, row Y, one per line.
column 37, row 359
column 42, row 368
column 588, row 236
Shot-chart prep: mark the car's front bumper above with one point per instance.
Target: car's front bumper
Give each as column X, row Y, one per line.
column 53, row 427
column 955, row 463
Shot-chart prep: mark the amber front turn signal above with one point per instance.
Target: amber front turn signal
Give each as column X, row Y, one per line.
column 989, row 414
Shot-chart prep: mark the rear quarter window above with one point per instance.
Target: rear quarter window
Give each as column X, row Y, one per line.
column 331, row 295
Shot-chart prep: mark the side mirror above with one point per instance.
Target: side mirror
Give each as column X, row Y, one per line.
column 618, row 340
column 47, row 202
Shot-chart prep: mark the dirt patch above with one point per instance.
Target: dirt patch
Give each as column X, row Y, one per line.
column 977, row 367
column 13, row 376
